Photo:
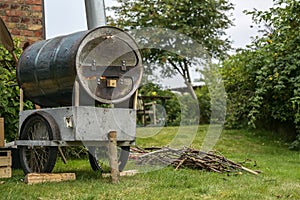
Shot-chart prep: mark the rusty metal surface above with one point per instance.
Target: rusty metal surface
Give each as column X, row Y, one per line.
column 48, row 69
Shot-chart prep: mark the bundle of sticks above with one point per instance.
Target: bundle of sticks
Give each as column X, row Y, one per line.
column 190, row 158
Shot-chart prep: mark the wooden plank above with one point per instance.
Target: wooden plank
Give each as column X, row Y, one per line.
column 5, row 161
column 33, row 178
column 123, row 173
column 5, row 172
column 5, row 153
column 5, row 158
column 2, row 144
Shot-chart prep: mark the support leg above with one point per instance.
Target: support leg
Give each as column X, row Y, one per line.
column 113, row 157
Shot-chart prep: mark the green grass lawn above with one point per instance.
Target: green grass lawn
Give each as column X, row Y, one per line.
column 280, row 177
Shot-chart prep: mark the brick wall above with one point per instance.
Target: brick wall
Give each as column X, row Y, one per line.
column 23, row 18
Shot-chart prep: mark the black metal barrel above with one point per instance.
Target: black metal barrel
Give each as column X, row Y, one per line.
column 105, row 61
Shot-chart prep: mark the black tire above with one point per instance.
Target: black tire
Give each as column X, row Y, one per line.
column 40, row 159
column 99, row 160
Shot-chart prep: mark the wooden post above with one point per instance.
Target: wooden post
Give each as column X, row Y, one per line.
column 2, row 143
column 62, row 155
column 135, row 101
column 113, row 157
column 154, row 112
column 76, row 96
column 21, row 100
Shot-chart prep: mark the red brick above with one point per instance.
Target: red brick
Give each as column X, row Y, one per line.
column 17, row 1
column 37, row 8
column 5, row 18
column 13, row 1
column 34, row 2
column 25, row 19
column 38, row 34
column 14, row 13
column 26, row 33
column 15, row 19
column 15, row 32
column 4, row 5
column 15, row 6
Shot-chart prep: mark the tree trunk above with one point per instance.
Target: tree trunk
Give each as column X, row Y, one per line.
column 191, row 90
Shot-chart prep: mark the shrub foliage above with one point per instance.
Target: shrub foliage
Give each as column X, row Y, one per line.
column 9, row 92
column 263, row 80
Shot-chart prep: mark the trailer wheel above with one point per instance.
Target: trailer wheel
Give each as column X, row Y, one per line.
column 38, row 126
column 99, row 160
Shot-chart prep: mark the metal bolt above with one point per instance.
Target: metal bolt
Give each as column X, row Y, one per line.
column 94, row 65
column 123, row 68
column 121, row 81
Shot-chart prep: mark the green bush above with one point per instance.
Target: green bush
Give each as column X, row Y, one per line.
column 263, row 81
column 9, row 92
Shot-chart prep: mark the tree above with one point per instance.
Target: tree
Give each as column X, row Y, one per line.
column 197, row 23
column 265, row 77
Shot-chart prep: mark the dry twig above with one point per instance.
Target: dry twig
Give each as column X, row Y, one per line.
column 190, row 158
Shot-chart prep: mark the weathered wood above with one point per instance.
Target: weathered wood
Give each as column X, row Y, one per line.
column 2, row 143
column 62, row 155
column 5, row 164
column 5, row 161
column 21, row 99
column 180, row 163
column 5, row 172
column 249, row 170
column 77, row 95
column 5, row 158
column 33, row 178
column 123, row 173
column 113, row 156
column 191, row 158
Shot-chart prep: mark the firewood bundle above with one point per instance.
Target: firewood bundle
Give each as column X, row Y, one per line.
column 190, row 158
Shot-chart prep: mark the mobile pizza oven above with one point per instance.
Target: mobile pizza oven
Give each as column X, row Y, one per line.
column 105, row 61
column 70, row 77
